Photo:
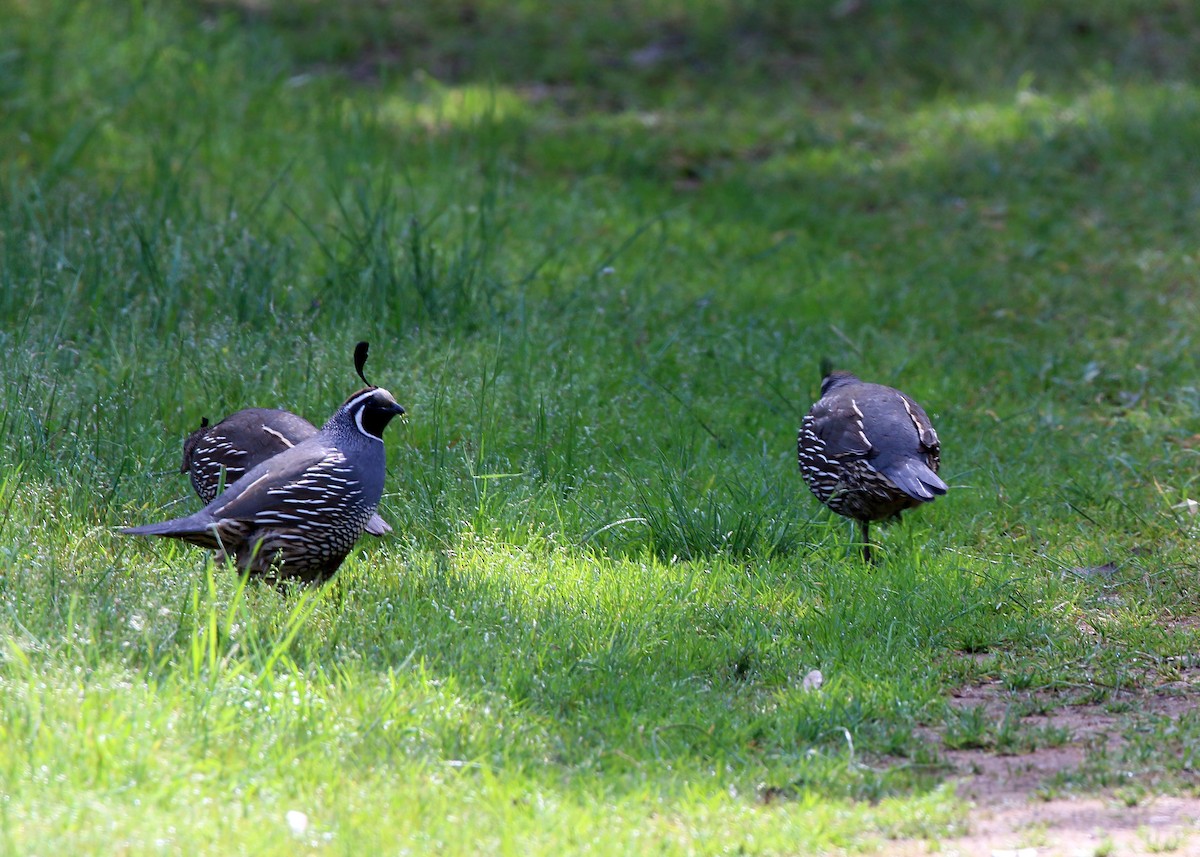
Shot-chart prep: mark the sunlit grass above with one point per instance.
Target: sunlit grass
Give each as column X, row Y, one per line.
column 439, row 108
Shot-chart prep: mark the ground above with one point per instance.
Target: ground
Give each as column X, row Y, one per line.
column 1021, row 826
column 1016, row 811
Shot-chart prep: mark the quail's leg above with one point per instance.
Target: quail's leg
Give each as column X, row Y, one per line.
column 866, row 543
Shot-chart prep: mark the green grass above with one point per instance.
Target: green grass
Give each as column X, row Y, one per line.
column 600, row 256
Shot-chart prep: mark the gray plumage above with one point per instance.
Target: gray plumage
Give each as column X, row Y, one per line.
column 241, row 441
column 298, row 514
column 868, row 452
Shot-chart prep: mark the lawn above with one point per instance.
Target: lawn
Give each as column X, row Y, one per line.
column 600, row 255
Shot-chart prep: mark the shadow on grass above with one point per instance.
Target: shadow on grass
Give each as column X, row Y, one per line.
column 619, row 54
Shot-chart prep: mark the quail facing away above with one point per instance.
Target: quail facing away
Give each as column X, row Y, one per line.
column 299, row 513
column 239, row 442
column 868, row 452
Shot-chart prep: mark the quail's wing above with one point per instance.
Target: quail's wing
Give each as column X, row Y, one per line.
column 839, row 425
column 892, row 422
column 292, row 427
column 256, row 434
column 295, row 479
column 906, row 446
column 265, row 431
column 922, row 423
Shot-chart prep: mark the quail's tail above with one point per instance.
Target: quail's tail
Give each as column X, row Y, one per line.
column 917, row 480
column 163, row 528
column 195, row 529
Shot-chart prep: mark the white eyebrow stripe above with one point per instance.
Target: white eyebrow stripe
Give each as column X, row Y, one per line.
column 361, row 397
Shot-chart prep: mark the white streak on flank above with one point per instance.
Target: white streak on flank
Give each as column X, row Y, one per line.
column 274, row 433
column 250, row 487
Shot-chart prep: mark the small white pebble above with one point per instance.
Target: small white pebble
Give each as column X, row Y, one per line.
column 813, row 680
column 297, row 821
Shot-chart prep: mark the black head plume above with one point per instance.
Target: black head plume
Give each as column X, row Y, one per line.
column 360, row 360
column 826, row 367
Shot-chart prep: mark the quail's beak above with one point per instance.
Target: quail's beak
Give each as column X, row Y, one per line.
column 398, row 409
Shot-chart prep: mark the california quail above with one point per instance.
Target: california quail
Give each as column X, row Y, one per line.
column 299, row 513
column 239, row 442
column 868, row 452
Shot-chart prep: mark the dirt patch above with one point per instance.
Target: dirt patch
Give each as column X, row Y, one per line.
column 1016, row 808
column 1180, row 623
column 1080, row 827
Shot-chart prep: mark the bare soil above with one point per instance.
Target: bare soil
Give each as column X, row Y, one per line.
column 1018, row 813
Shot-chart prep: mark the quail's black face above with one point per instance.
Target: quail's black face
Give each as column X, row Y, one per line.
column 372, row 409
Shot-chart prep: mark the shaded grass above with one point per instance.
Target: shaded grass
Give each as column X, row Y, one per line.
column 629, row 55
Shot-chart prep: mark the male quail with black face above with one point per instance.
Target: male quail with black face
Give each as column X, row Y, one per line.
column 868, row 452
column 239, row 442
column 298, row 514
